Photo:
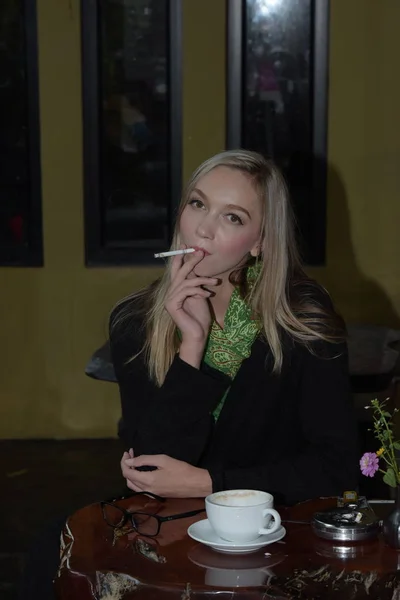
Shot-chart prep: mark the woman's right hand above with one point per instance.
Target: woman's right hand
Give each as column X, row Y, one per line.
column 187, row 302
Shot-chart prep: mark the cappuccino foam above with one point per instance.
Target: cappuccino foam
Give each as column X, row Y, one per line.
column 239, row 498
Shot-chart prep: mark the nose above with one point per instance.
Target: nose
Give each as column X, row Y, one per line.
column 206, row 227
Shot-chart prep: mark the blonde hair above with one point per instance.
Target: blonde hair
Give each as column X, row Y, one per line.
column 282, row 296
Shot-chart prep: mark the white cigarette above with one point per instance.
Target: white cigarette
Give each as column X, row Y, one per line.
column 174, row 252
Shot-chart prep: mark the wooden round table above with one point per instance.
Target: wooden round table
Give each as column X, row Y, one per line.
column 98, row 565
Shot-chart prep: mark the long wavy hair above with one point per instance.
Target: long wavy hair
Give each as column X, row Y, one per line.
column 282, row 297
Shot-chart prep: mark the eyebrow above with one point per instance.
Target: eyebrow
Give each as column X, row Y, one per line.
column 232, row 206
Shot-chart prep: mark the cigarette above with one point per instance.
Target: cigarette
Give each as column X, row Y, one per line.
column 174, row 253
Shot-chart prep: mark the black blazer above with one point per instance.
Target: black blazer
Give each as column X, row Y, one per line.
column 292, row 434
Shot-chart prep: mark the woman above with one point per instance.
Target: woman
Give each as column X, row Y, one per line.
column 232, row 367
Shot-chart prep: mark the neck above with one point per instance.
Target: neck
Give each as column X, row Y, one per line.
column 220, row 301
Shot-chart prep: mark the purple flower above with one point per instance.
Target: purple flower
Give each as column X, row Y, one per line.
column 369, row 464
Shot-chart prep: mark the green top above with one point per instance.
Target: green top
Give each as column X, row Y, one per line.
column 228, row 347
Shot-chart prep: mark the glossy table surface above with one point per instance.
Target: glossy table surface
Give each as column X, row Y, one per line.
column 97, row 564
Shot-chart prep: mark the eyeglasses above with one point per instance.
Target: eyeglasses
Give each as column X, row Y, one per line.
column 148, row 524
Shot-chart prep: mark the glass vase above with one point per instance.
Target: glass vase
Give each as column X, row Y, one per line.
column 391, row 524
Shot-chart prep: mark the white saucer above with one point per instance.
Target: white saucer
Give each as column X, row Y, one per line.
column 203, row 532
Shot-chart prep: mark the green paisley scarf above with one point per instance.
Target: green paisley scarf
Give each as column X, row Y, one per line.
column 228, row 347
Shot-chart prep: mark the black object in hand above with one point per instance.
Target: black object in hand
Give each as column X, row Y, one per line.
column 146, row 468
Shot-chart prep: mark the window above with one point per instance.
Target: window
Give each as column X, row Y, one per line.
column 132, row 129
column 277, row 99
column 20, row 193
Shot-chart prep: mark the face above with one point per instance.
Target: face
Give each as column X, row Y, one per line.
column 222, row 217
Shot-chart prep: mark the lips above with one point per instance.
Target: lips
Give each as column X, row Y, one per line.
column 202, row 250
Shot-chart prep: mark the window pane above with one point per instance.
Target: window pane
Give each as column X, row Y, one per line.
column 278, row 86
column 134, row 161
column 279, row 99
column 15, row 138
column 277, row 114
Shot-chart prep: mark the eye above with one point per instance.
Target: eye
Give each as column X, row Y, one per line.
column 235, row 219
column 196, row 203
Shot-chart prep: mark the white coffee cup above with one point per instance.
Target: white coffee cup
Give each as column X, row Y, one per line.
column 242, row 515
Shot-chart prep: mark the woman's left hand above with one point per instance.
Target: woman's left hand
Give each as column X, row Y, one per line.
column 171, row 479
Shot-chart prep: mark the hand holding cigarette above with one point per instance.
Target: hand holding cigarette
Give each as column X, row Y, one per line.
column 187, row 303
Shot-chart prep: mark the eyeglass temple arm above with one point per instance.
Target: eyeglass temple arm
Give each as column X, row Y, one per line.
column 133, row 494
column 191, row 513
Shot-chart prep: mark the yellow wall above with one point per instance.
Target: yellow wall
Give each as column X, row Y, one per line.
column 363, row 249
column 203, row 81
column 54, row 317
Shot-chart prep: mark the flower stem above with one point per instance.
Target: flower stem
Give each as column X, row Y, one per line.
column 392, row 462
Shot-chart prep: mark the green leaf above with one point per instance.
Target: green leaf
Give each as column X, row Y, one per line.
column 390, row 478
column 396, row 445
column 386, row 414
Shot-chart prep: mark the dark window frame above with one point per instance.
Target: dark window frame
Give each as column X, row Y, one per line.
column 315, row 253
column 96, row 254
column 30, row 254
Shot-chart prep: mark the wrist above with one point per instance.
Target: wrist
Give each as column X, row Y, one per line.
column 192, row 353
column 202, row 483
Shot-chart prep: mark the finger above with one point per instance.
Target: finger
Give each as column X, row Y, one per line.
column 176, row 263
column 179, row 299
column 125, row 456
column 197, row 296
column 124, row 464
column 198, row 282
column 188, row 266
column 143, row 479
column 131, row 454
column 138, row 477
column 126, row 471
column 134, row 487
column 190, row 284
